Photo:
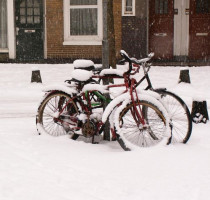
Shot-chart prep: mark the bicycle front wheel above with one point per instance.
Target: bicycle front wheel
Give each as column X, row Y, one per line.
column 137, row 135
column 181, row 122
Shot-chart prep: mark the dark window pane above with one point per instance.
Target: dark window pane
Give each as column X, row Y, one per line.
column 129, row 6
column 202, row 6
column 29, row 3
column 36, row 19
column 83, row 2
column 22, row 19
column 36, row 3
column 22, row 11
column 36, row 11
column 30, row 20
column 83, row 21
column 29, row 11
column 161, row 6
column 23, row 4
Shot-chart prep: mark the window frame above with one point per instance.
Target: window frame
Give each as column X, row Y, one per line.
column 126, row 13
column 6, row 50
column 82, row 40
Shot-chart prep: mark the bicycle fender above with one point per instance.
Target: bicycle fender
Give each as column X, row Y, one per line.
column 114, row 103
column 152, row 97
column 61, row 88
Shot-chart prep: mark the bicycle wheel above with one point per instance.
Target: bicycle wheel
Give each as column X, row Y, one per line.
column 56, row 116
column 135, row 135
column 181, row 122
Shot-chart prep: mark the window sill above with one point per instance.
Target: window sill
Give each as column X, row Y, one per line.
column 4, row 50
column 82, row 42
column 128, row 14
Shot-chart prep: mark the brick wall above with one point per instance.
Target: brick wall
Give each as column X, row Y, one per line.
column 55, row 34
column 134, row 31
column 4, row 57
column 134, row 36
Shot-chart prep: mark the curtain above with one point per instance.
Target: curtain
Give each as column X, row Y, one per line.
column 83, row 21
column 3, row 23
column 83, row 2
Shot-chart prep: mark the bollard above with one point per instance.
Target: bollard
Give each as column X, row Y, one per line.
column 184, row 76
column 36, row 76
column 199, row 112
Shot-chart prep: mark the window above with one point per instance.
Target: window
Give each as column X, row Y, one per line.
column 3, row 24
column 128, row 7
column 202, row 6
column 82, row 22
column 161, row 6
column 30, row 12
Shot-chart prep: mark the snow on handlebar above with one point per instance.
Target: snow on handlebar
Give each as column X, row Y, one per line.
column 134, row 60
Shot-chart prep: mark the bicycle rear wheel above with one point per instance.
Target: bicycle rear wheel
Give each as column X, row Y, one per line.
column 57, row 115
column 134, row 135
column 181, row 122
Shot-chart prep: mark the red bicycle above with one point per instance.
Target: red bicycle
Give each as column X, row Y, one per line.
column 137, row 118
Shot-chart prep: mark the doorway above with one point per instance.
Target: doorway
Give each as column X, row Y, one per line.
column 199, row 47
column 161, row 28
column 29, row 29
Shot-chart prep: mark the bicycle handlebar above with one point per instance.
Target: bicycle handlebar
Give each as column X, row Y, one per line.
column 134, row 60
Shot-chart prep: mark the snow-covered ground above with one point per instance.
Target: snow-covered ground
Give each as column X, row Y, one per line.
column 34, row 167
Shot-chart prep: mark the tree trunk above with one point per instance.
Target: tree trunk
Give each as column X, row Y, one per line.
column 111, row 34
column 105, row 60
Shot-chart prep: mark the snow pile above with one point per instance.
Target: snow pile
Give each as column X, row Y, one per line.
column 42, row 167
column 81, row 75
column 82, row 63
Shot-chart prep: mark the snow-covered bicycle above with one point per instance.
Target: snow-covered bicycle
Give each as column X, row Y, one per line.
column 180, row 117
column 137, row 118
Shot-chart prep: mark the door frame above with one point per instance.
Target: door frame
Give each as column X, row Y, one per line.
column 181, row 30
column 11, row 26
column 29, row 26
column 11, row 29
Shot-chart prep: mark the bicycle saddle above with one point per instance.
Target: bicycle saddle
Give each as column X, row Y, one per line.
column 84, row 64
column 81, row 75
column 112, row 72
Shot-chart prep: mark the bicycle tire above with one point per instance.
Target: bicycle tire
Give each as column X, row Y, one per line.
column 48, row 110
column 131, row 136
column 180, row 117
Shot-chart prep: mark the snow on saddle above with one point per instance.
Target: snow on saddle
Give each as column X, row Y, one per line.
column 84, row 70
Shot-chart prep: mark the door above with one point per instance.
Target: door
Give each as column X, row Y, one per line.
column 161, row 28
column 29, row 29
column 181, row 29
column 199, row 47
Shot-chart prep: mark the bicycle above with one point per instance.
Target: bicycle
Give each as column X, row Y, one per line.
column 180, row 117
column 136, row 119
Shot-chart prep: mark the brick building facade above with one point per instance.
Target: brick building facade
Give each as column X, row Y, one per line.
column 63, row 30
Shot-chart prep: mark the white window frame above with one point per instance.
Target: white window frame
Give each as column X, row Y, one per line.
column 10, row 31
column 82, row 40
column 128, row 13
column 6, row 50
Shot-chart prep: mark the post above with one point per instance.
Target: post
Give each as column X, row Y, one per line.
column 199, row 112
column 105, row 61
column 36, row 76
column 184, row 76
